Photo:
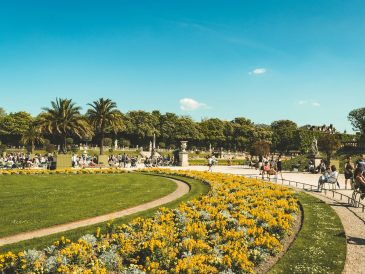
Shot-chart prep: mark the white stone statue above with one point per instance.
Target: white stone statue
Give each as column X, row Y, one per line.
column 314, row 146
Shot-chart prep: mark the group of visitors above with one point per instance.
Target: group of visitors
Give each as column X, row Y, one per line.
column 268, row 167
column 25, row 160
column 159, row 161
column 321, row 168
column 356, row 173
column 352, row 171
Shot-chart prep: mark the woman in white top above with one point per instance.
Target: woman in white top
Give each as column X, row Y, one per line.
column 330, row 176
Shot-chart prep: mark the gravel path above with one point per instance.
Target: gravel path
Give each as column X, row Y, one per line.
column 353, row 219
column 182, row 189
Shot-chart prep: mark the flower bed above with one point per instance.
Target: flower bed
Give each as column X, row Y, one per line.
column 62, row 171
column 231, row 229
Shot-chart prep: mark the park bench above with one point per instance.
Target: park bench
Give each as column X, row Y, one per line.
column 357, row 192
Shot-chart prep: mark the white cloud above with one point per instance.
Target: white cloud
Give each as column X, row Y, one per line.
column 258, row 71
column 309, row 103
column 191, row 104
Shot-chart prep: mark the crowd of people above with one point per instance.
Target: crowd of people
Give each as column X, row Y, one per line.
column 269, row 166
column 25, row 160
column 353, row 172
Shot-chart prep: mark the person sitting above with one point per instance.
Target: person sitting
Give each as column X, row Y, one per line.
column 329, row 176
column 360, row 179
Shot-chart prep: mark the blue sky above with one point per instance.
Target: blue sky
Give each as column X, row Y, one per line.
column 264, row 60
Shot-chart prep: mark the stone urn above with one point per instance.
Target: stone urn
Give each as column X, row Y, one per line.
column 184, row 145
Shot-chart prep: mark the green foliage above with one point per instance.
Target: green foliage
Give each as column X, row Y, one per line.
column 32, row 136
column 107, row 142
column 74, row 149
column 283, row 137
column 260, row 148
column 357, row 119
column 104, row 117
column 3, row 148
column 14, row 125
column 64, row 120
column 69, row 141
column 328, row 144
column 124, row 142
column 50, row 148
column 2, row 113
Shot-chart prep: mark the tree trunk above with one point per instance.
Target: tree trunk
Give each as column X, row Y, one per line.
column 64, row 145
column 102, row 143
column 32, row 147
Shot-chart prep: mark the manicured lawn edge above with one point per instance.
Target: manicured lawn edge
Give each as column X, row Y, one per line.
column 196, row 189
column 320, row 246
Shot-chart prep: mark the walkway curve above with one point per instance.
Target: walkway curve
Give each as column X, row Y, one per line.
column 182, row 189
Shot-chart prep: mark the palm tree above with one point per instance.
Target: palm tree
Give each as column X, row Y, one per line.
column 104, row 116
column 32, row 136
column 64, row 120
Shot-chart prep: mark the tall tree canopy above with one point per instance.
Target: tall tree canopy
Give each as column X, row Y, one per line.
column 104, row 117
column 357, row 119
column 283, row 136
column 64, row 120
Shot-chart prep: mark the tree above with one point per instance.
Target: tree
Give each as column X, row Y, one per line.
column 104, row 117
column 212, row 131
column 141, row 125
column 283, row 137
column 2, row 113
column 328, row 144
column 357, row 119
column 32, row 136
column 14, row 125
column 64, row 120
column 260, row 148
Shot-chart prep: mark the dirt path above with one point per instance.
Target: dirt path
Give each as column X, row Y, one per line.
column 182, row 189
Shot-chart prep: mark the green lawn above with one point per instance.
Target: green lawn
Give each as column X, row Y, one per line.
column 197, row 188
column 29, row 202
column 320, row 246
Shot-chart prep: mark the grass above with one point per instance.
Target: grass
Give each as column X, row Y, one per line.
column 30, row 202
column 196, row 189
column 320, row 246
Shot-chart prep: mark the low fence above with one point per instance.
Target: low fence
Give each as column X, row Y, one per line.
column 305, row 186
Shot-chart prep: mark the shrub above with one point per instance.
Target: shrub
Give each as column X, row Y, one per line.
column 69, row 141
column 125, row 142
column 50, row 148
column 107, row 142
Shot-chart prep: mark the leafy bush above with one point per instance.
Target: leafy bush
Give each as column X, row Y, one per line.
column 107, row 142
column 50, row 148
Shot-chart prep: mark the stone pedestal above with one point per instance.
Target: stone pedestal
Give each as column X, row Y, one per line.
column 183, row 158
column 103, row 160
column 316, row 161
column 63, row 161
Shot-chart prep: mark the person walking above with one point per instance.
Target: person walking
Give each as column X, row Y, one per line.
column 349, row 171
column 279, row 167
column 210, row 163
